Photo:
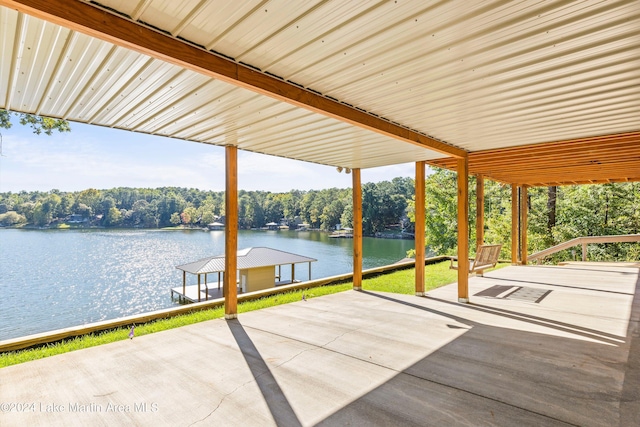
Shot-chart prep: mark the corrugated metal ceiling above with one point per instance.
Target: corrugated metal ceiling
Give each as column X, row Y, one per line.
column 476, row 74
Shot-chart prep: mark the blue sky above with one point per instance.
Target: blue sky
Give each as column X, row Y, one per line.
column 101, row 158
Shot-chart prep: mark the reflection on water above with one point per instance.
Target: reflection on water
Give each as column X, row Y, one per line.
column 58, row 278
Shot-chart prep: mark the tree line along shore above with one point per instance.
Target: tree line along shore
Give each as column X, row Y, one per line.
column 556, row 214
column 173, row 206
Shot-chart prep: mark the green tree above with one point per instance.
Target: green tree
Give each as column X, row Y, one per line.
column 309, row 209
column 26, row 209
column 274, row 207
column 175, row 218
column 150, row 215
column 38, row 124
column 190, row 215
column 84, row 210
column 91, row 198
column 346, row 219
column 167, row 205
column 12, row 218
column 113, row 217
column 66, row 205
column 331, row 215
column 206, row 211
column 51, row 206
column 138, row 212
column 106, row 205
column 40, row 217
column 291, row 202
column 441, row 212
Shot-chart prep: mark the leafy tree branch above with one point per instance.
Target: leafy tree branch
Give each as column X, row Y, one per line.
column 39, row 124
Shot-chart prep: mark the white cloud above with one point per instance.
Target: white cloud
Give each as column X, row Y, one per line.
column 95, row 157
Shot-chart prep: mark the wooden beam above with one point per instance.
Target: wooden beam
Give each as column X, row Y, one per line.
column 357, row 229
column 587, row 160
column 104, row 25
column 419, row 236
column 582, row 145
column 230, row 288
column 514, row 224
column 579, row 147
column 479, row 210
column 524, row 213
column 463, row 230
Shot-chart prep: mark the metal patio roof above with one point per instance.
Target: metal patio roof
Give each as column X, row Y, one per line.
column 247, row 258
column 353, row 84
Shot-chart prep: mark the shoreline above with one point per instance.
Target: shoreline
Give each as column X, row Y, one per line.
column 42, row 338
column 377, row 235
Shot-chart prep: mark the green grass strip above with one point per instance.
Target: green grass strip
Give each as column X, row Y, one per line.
column 400, row 282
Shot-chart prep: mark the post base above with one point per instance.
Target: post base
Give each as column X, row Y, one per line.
column 463, row 300
column 357, row 288
column 231, row 316
column 421, row 294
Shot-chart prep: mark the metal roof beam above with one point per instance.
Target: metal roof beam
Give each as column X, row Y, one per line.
column 85, row 18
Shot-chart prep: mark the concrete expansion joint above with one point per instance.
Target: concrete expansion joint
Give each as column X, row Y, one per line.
column 314, row 346
column 292, row 357
column 323, row 346
column 224, row 396
column 210, row 413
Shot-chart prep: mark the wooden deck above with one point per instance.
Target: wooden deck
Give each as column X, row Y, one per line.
column 190, row 293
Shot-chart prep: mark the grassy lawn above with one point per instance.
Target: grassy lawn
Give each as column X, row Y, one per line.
column 401, row 282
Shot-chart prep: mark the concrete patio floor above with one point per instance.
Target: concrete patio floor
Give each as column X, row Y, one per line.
column 368, row 358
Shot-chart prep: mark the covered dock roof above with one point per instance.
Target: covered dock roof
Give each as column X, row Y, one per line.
column 247, row 258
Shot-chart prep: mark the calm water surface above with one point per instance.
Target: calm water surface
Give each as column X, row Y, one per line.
column 51, row 279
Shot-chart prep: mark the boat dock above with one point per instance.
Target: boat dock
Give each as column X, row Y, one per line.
column 344, row 233
column 258, row 269
column 209, row 291
column 195, row 293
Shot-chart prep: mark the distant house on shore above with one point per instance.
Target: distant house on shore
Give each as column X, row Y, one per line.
column 76, row 219
column 215, row 226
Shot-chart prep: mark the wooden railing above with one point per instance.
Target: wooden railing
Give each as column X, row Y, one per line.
column 584, row 241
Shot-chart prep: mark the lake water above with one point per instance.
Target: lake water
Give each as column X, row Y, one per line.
column 51, row 279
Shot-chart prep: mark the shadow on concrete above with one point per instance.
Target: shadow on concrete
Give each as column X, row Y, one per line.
column 280, row 408
column 630, row 399
column 536, row 320
column 501, row 376
column 540, row 321
column 564, row 267
column 558, row 285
